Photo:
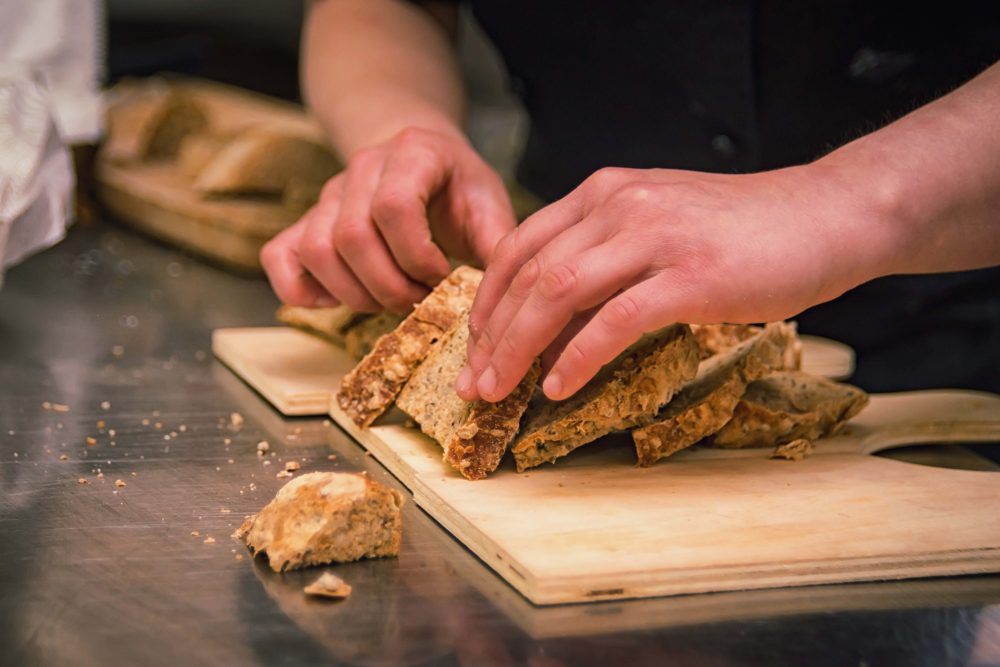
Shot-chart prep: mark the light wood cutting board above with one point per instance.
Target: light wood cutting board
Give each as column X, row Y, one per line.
column 595, row 527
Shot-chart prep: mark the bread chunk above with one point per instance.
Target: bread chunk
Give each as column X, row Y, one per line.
column 325, row 517
column 371, row 387
column 262, row 160
column 787, row 406
column 329, row 323
column 627, row 392
column 705, row 405
column 474, row 435
column 714, row 339
column 151, row 124
column 360, row 337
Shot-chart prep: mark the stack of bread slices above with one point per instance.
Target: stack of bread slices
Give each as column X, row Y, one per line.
column 723, row 385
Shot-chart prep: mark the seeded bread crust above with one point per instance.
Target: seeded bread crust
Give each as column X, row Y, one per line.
column 474, row 435
column 707, row 403
column 787, row 406
column 325, row 517
column 371, row 387
column 625, row 393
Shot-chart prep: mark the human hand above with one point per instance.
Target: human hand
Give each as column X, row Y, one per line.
column 630, row 251
column 382, row 229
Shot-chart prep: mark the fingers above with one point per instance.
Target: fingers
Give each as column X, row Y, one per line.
column 319, row 256
column 408, row 181
column 648, row 306
column 290, row 281
column 360, row 245
column 561, row 291
column 490, row 218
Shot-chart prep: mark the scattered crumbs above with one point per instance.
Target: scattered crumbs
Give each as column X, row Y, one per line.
column 297, row 429
column 235, row 419
column 101, row 423
column 120, row 484
column 290, row 436
column 166, row 436
column 796, row 450
column 225, row 510
column 326, row 422
column 59, row 407
column 328, row 585
column 158, row 425
column 227, row 441
column 118, row 350
column 262, row 447
column 195, row 533
column 208, row 540
column 99, row 475
column 217, row 468
column 105, row 405
column 230, row 461
column 63, row 457
column 145, row 422
column 239, row 556
column 112, row 432
column 266, row 462
column 156, row 413
column 82, row 481
column 331, row 457
column 282, row 474
column 252, row 486
column 134, row 474
column 182, row 428
column 292, row 466
column 90, row 441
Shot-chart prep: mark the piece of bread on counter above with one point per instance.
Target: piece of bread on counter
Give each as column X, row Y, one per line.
column 627, row 392
column 325, row 517
column 330, row 323
column 371, row 387
column 197, row 150
column 787, row 406
column 707, row 403
column 474, row 435
column 151, row 124
column 263, row 160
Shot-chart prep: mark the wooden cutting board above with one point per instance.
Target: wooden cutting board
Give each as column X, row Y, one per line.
column 154, row 198
column 595, row 527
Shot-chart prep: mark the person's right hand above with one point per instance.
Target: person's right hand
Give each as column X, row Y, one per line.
column 381, row 231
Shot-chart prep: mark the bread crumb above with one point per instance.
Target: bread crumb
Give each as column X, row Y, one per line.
column 267, row 463
column 120, row 484
column 328, row 585
column 91, row 441
column 145, row 422
column 195, row 533
column 208, row 540
column 292, row 466
column 796, row 450
column 235, row 419
column 331, row 457
column 105, row 405
column 55, row 407
column 63, row 457
column 262, row 447
column 282, row 474
column 239, row 556
column 101, row 423
column 230, row 461
column 82, row 481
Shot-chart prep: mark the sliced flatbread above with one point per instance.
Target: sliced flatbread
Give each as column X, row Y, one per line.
column 787, row 406
column 627, row 392
column 474, row 435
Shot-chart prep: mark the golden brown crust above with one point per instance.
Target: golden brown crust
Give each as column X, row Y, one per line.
column 360, row 337
column 329, row 323
column 706, row 404
column 326, row 517
column 714, row 339
column 368, row 390
column 625, row 393
column 151, row 124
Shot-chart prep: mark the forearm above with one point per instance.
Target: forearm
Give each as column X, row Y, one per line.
column 931, row 184
column 374, row 67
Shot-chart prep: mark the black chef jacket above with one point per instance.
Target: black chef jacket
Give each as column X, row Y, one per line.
column 739, row 85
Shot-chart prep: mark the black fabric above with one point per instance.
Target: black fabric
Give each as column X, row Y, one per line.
column 739, row 85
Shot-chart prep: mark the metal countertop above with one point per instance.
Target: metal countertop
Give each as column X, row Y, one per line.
column 117, row 329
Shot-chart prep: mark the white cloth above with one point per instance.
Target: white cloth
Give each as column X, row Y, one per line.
column 50, row 52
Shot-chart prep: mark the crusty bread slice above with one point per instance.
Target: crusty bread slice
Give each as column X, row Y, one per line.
column 474, row 435
column 151, row 124
column 625, row 393
column 371, row 387
column 262, row 160
column 324, row 517
column 786, row 406
column 197, row 150
column 716, row 338
column 705, row 405
column 360, row 337
column 330, row 323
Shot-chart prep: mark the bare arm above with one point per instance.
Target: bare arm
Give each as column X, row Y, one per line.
column 371, row 68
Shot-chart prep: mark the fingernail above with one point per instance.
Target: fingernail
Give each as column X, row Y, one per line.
column 463, row 384
column 487, row 384
column 553, row 386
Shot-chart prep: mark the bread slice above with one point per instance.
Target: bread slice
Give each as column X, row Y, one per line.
column 198, row 149
column 330, row 323
column 627, row 392
column 324, row 517
column 707, row 403
column 360, row 337
column 262, row 160
column 151, row 124
column 716, row 338
column 371, row 387
column 474, row 435
column 786, row 406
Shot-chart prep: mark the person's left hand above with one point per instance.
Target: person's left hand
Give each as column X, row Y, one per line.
column 630, row 251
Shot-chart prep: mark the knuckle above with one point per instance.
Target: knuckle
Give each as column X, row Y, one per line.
column 315, row 251
column 559, row 282
column 526, row 278
column 621, row 313
column 349, row 237
column 633, row 191
column 391, row 205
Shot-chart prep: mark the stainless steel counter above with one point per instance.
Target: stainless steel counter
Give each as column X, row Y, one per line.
column 117, row 330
